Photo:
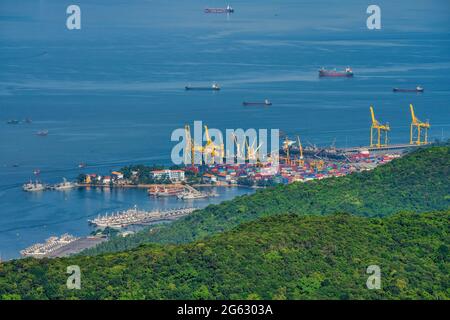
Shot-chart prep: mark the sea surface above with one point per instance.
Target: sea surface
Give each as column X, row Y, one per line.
column 111, row 93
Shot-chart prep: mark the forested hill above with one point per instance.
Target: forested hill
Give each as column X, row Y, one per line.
column 418, row 182
column 278, row 257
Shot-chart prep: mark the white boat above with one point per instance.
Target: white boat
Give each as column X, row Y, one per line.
column 192, row 195
column 64, row 185
column 33, row 186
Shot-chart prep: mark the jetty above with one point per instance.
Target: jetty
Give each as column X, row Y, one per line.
column 135, row 216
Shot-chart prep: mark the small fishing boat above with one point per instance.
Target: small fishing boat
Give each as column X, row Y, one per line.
column 82, row 165
column 12, row 121
column 416, row 89
column 266, row 102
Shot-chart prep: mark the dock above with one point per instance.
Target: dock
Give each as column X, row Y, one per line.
column 61, row 246
column 392, row 147
column 138, row 217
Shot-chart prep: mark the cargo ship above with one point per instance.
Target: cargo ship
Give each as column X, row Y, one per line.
column 348, row 72
column 416, row 89
column 263, row 103
column 214, row 87
column 228, row 9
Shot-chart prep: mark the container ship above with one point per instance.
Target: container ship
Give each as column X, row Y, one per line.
column 348, row 72
column 416, row 89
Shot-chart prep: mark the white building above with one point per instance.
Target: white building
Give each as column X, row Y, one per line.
column 173, row 175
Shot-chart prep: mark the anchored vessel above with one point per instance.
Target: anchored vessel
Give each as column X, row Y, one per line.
column 214, row 87
column 42, row 133
column 228, row 9
column 53, row 243
column 416, row 89
column 334, row 73
column 12, row 121
column 266, row 102
column 135, row 217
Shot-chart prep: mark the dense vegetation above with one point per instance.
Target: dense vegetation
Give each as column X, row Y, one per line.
column 418, row 182
column 278, row 257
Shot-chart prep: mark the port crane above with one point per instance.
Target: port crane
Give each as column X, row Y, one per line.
column 239, row 153
column 190, row 147
column 286, row 147
column 252, row 153
column 380, row 129
column 211, row 149
column 300, row 160
column 420, row 127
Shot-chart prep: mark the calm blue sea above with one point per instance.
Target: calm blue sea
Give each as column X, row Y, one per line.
column 111, row 93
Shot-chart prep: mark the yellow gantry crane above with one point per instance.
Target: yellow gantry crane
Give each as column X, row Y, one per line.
column 380, row 129
column 211, row 149
column 300, row 160
column 287, row 158
column 418, row 125
column 190, row 146
column 252, row 153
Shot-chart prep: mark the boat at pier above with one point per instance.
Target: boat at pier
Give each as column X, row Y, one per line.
column 348, row 72
column 65, row 185
column 165, row 190
column 33, row 186
column 228, row 9
column 135, row 216
column 40, row 250
column 266, row 102
column 214, row 87
column 416, row 89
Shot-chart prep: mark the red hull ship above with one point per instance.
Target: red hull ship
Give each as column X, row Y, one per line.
column 333, row 73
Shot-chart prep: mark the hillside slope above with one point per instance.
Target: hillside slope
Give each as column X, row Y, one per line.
column 418, row 182
column 279, row 257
